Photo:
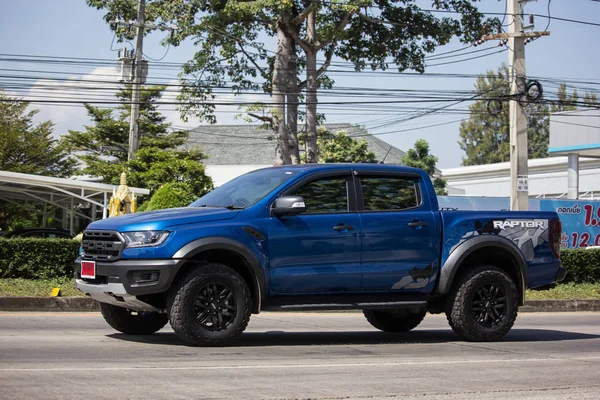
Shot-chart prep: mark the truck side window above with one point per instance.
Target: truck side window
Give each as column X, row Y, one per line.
column 328, row 195
column 389, row 193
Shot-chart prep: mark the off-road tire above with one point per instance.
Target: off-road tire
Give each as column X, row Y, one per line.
column 132, row 322
column 394, row 321
column 464, row 304
column 186, row 299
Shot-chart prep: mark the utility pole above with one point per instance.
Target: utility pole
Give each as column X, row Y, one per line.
column 519, row 174
column 138, row 71
column 519, row 187
column 137, row 82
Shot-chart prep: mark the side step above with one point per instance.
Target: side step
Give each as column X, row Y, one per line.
column 418, row 305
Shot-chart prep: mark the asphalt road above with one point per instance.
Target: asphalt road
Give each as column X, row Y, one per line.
column 298, row 356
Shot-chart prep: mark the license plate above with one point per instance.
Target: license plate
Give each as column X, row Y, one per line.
column 88, row 269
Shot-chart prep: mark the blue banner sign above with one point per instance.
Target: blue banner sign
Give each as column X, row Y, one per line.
column 580, row 221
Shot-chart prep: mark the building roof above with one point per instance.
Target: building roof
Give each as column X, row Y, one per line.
column 250, row 145
column 547, row 178
column 536, row 166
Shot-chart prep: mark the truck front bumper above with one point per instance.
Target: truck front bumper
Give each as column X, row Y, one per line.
column 122, row 282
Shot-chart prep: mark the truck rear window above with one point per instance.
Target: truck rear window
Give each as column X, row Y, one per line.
column 389, row 193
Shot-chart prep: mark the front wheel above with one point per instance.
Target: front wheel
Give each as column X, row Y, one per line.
column 132, row 322
column 483, row 306
column 210, row 306
column 394, row 321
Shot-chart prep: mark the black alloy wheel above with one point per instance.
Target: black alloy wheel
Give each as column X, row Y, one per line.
column 489, row 305
column 215, row 306
column 483, row 304
column 210, row 305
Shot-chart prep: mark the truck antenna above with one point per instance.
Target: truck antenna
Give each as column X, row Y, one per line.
column 386, row 154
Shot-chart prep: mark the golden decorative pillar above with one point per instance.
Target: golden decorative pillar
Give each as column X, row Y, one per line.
column 123, row 200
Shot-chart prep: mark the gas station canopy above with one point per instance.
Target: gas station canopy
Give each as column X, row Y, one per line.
column 575, row 132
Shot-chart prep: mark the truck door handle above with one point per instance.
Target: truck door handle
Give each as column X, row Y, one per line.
column 418, row 223
column 342, row 227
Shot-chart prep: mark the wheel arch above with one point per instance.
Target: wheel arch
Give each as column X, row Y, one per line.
column 231, row 253
column 485, row 250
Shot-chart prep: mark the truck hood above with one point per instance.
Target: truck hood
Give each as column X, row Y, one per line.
column 162, row 219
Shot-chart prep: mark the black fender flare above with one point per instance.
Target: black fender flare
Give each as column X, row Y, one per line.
column 222, row 243
column 455, row 260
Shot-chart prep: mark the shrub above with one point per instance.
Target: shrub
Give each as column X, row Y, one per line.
column 36, row 258
column 583, row 266
column 171, row 195
column 33, row 258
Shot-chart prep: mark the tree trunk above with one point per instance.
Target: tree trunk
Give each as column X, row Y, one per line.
column 282, row 149
column 292, row 102
column 311, row 91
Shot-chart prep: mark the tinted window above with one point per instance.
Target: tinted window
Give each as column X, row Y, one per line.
column 329, row 195
column 389, row 193
column 246, row 190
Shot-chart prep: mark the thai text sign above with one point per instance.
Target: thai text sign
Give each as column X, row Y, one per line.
column 580, row 221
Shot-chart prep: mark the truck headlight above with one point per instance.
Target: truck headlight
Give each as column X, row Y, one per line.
column 144, row 238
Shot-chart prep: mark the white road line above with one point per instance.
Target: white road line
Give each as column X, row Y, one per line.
column 323, row 365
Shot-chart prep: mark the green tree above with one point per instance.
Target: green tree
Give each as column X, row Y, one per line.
column 340, row 148
column 29, row 148
column 171, row 195
column 564, row 101
column 26, row 147
column 103, row 147
column 485, row 135
column 226, row 31
column 590, row 100
column 420, row 157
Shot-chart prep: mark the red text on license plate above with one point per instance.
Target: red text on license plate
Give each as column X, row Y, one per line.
column 88, row 269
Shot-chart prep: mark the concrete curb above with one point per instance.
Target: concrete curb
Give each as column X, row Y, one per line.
column 560, row 305
column 48, row 304
column 88, row 304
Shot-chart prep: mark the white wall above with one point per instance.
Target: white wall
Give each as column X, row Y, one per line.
column 547, row 177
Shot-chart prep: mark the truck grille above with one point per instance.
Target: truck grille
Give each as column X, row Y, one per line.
column 102, row 245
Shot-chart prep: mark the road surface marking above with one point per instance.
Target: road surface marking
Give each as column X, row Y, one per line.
column 314, row 365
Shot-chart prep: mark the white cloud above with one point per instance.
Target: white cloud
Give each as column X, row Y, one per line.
column 102, row 85
column 98, row 84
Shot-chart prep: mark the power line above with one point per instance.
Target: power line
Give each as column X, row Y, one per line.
column 467, row 59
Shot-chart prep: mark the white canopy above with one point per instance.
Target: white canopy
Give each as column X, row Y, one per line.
column 68, row 194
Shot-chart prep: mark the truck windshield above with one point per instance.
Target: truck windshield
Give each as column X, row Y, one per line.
column 246, row 190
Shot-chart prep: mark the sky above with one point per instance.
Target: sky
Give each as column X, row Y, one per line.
column 69, row 28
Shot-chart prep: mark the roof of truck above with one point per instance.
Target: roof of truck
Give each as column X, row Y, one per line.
column 356, row 166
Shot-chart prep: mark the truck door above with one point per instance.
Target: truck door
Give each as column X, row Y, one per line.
column 400, row 235
column 317, row 251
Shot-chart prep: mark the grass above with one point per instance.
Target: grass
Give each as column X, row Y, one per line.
column 42, row 288
column 38, row 288
column 565, row 291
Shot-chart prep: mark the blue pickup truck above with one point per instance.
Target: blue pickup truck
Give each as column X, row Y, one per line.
column 318, row 237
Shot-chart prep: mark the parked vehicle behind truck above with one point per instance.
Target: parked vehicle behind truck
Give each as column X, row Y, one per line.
column 318, row 236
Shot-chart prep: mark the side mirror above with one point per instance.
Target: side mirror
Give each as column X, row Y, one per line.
column 288, row 205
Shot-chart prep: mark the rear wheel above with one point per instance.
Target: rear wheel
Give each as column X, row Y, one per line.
column 483, row 305
column 394, row 321
column 210, row 306
column 132, row 322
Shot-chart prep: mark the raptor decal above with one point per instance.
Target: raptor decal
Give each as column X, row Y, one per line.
column 526, row 234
